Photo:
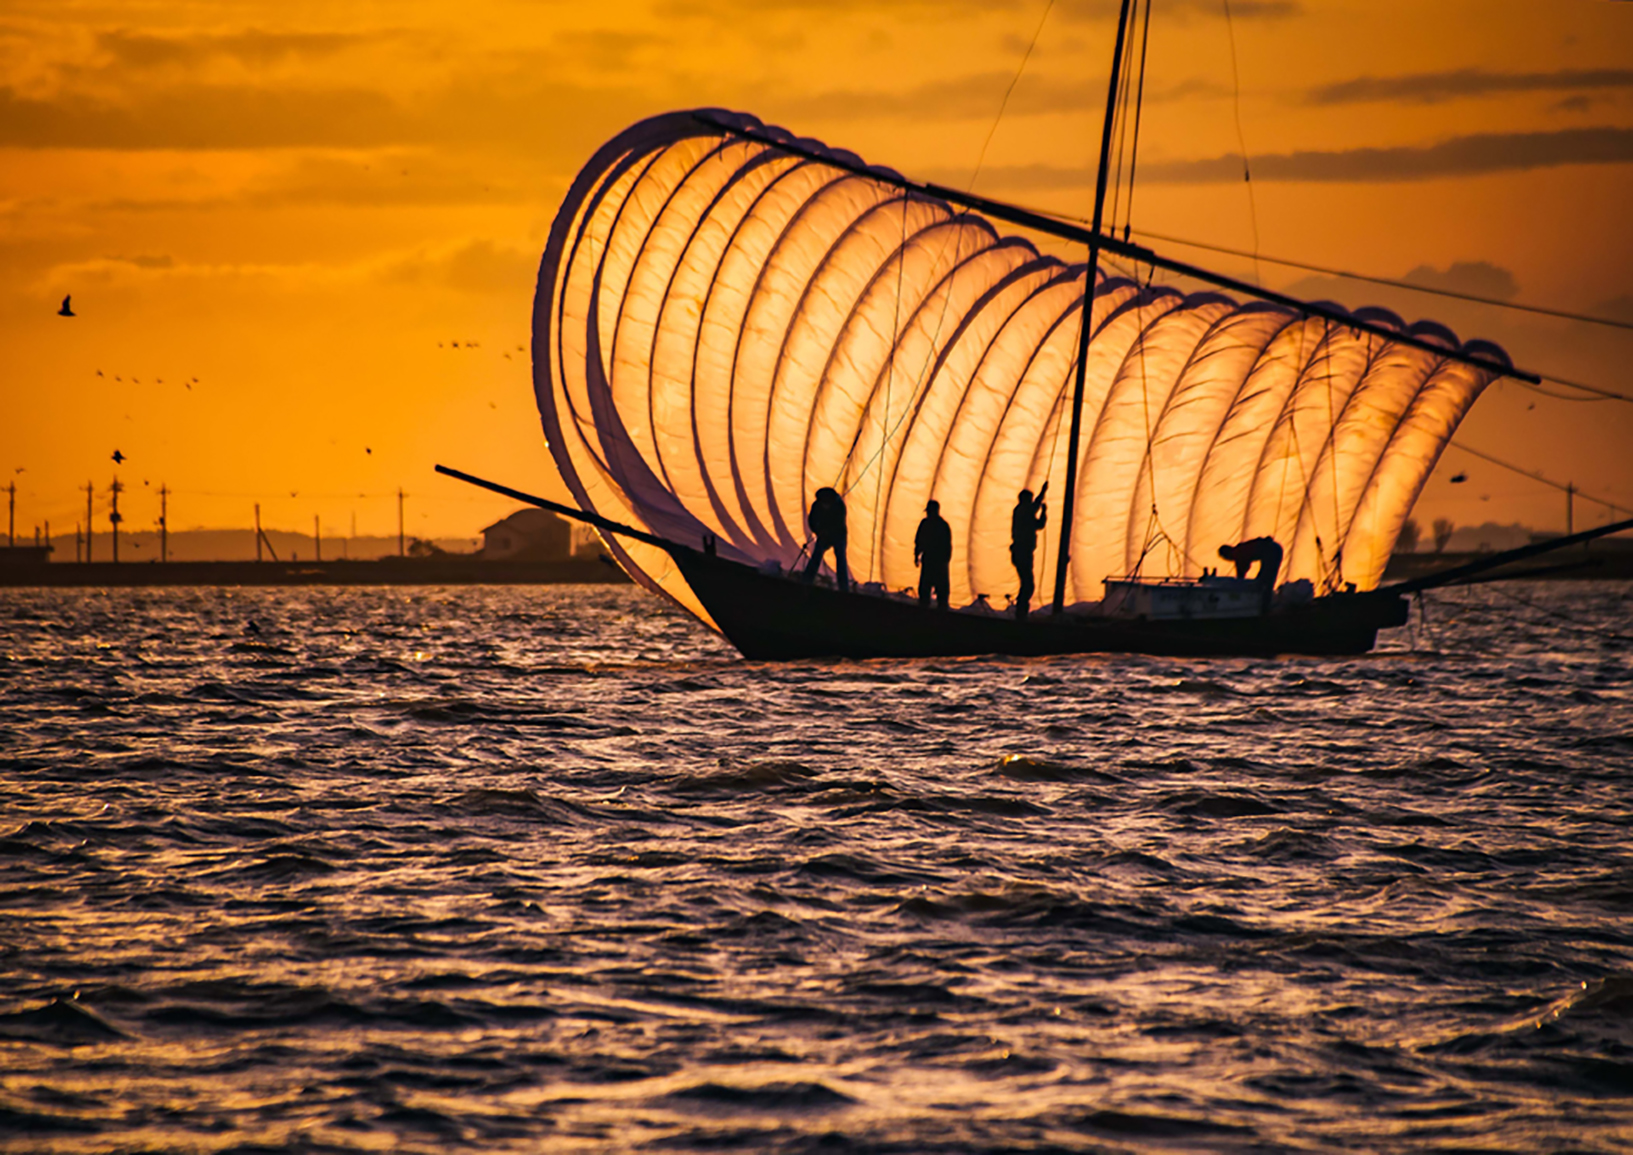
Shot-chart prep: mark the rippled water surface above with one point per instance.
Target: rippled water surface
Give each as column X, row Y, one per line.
column 511, row 869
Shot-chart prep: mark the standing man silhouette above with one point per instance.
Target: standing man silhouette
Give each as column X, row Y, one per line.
column 1029, row 516
column 933, row 552
column 827, row 522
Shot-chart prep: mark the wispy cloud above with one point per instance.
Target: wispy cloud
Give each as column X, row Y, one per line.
column 972, row 96
column 1476, row 278
column 226, row 116
column 251, row 46
column 1434, row 87
column 1013, row 177
column 206, row 117
column 1459, row 156
column 1185, row 10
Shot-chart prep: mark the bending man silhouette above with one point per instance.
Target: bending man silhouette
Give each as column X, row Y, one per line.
column 1029, row 516
column 933, row 552
column 1267, row 553
column 827, row 522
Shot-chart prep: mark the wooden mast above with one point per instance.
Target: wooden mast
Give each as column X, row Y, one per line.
column 1067, row 503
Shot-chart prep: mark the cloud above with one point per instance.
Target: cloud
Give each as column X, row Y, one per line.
column 380, row 179
column 1184, row 10
column 471, row 266
column 1013, row 177
column 976, row 95
column 1459, row 156
column 1433, row 87
column 1475, row 278
column 605, row 49
column 537, row 115
column 207, row 117
column 1070, row 10
column 1615, row 309
column 251, row 47
column 474, row 267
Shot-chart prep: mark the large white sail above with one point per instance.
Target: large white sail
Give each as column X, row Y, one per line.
column 722, row 327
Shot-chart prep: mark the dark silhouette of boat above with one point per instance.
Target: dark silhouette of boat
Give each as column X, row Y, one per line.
column 772, row 616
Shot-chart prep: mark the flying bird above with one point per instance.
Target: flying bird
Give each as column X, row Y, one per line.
column 66, row 310
column 1459, row 478
column 367, row 450
column 99, row 372
column 118, row 458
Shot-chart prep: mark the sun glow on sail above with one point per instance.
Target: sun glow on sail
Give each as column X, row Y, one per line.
column 721, row 328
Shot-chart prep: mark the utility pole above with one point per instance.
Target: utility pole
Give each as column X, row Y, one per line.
column 48, row 541
column 87, row 522
column 257, row 531
column 113, row 517
column 164, row 522
column 401, row 552
column 11, row 515
column 1570, row 511
column 317, row 540
column 76, row 541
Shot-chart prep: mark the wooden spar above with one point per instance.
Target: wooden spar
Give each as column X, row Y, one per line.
column 1068, row 502
column 568, row 511
column 1043, row 223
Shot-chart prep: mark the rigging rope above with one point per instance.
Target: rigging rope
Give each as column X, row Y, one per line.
column 1247, row 171
column 1139, row 104
column 1563, row 488
column 1394, row 284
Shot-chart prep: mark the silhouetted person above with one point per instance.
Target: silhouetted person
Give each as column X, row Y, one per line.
column 1029, row 515
column 67, row 309
column 1263, row 550
column 827, row 522
column 933, row 552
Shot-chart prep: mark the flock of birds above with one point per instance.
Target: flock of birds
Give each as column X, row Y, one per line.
column 118, row 458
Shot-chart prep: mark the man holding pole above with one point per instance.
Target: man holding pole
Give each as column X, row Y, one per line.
column 1029, row 516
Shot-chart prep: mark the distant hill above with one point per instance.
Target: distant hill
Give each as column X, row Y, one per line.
column 239, row 545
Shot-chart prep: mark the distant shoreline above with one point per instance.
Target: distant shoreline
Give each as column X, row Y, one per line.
column 1599, row 560
column 443, row 570
column 1596, row 560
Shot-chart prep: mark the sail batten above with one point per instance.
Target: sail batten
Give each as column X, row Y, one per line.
column 723, row 326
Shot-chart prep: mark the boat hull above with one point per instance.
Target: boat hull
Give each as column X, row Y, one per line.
column 772, row 617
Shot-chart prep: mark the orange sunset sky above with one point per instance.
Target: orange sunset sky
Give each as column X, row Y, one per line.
column 303, row 205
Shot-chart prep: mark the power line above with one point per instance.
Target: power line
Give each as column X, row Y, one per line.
column 1561, row 486
column 1309, row 268
column 1603, row 393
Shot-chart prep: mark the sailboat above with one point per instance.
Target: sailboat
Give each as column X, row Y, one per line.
column 729, row 317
